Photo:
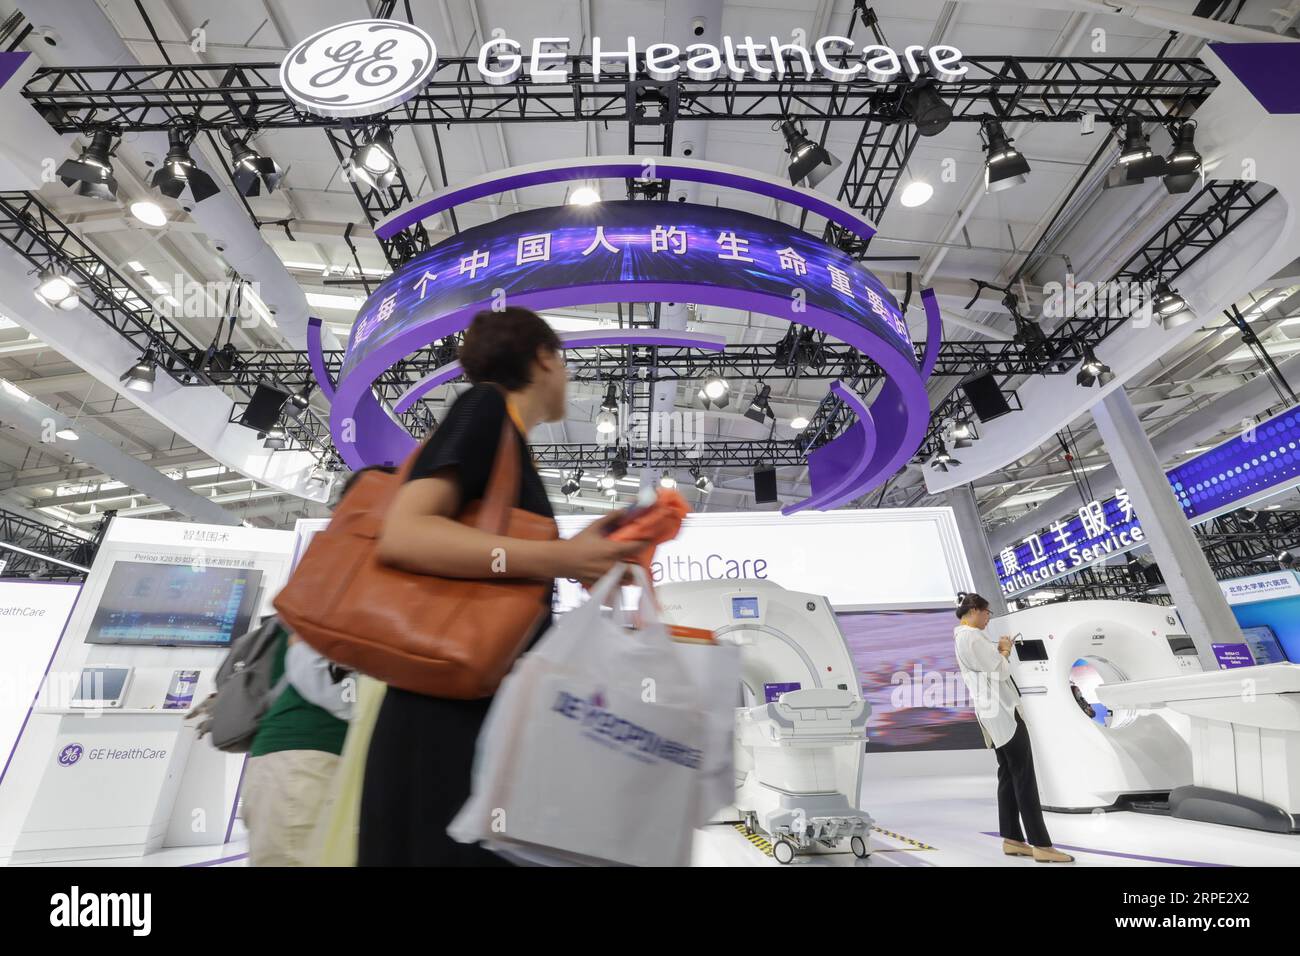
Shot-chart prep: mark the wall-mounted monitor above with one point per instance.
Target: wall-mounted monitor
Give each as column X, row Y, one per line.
column 174, row 605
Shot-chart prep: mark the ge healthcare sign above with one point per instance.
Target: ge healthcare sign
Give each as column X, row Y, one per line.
column 1263, row 460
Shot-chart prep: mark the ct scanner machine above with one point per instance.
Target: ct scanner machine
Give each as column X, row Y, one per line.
column 800, row 717
column 1126, row 759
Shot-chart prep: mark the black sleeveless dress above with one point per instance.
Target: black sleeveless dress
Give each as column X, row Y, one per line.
column 418, row 770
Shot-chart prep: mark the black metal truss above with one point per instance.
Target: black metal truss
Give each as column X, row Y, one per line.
column 249, row 96
column 33, row 231
column 1198, row 226
column 44, row 540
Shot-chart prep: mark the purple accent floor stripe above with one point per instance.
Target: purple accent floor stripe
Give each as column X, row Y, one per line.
column 1128, row 856
column 218, row 862
column 37, row 696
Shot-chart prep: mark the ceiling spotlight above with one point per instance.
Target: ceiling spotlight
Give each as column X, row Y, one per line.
column 1093, row 371
column 606, row 423
column 716, row 389
column 916, row 193
column 606, row 482
column 799, row 423
column 926, row 108
column 1167, row 301
column 141, row 376
column 941, row 459
column 275, row 439
column 702, row 482
column 572, row 484
column 1184, row 162
column 249, row 169
column 67, row 433
column 809, row 162
column 667, row 480
column 57, row 289
column 374, row 161
column 760, row 409
column 92, row 173
column 1286, row 560
column 1136, row 145
column 297, row 403
column 149, row 213
column 178, row 170
column 1004, row 165
column 584, row 196
column 963, row 433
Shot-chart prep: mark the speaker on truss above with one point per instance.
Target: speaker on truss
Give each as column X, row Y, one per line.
column 764, row 484
column 985, row 396
column 263, row 410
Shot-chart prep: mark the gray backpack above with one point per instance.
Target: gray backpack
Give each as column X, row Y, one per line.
column 244, row 690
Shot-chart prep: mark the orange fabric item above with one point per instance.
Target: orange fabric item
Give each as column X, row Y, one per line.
column 658, row 523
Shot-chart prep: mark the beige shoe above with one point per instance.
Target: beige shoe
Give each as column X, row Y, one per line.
column 1050, row 854
column 1016, row 848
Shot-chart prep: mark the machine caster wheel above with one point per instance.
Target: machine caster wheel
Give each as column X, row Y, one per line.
column 859, row 847
column 783, row 851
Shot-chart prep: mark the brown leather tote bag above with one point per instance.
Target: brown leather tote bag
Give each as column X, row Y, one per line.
column 444, row 637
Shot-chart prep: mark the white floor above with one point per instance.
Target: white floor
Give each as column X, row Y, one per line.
column 947, row 821
column 934, row 821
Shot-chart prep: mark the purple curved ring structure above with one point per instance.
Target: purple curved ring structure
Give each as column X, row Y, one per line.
column 316, row 357
column 624, row 167
column 665, row 337
column 366, row 433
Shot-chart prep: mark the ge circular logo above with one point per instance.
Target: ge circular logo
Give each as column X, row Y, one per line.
column 358, row 68
column 70, row 755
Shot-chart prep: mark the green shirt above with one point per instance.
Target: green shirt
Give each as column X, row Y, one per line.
column 293, row 723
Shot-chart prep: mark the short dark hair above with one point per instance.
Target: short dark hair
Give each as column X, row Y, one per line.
column 500, row 347
column 970, row 602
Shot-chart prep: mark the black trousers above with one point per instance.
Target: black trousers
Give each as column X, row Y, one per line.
column 1018, row 791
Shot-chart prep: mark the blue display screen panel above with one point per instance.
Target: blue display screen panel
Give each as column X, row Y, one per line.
column 1258, row 460
column 1263, row 644
column 174, row 605
column 744, row 608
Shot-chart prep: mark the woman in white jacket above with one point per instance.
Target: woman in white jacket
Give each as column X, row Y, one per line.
column 985, row 668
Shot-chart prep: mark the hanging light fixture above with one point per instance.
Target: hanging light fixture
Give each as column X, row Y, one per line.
column 91, row 174
column 1004, row 165
column 715, row 390
column 179, row 170
column 374, row 161
column 275, row 439
column 702, row 482
column 584, row 195
column 916, row 193
column 1136, row 146
column 941, row 460
column 141, row 376
column 1183, row 162
column 926, row 108
column 1093, row 371
column 963, row 433
column 249, row 169
column 809, row 162
column 56, row 289
column 760, row 409
column 666, row 480
column 572, row 484
column 298, row 402
column 799, row 423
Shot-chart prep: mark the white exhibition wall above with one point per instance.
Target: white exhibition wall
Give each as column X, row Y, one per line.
column 33, row 615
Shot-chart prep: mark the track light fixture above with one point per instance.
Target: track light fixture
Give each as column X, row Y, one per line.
column 297, row 403
column 1183, row 162
column 1136, row 146
column 760, row 409
column 1004, row 165
column 715, row 390
column 56, row 289
column 249, row 169
column 374, row 161
column 1093, row 371
column 702, row 482
column 141, row 376
column 572, row 484
column 179, row 170
column 91, row 174
column 808, row 161
column 941, row 460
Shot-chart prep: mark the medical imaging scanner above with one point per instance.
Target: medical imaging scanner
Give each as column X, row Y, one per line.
column 1129, row 758
column 1245, row 741
column 800, row 718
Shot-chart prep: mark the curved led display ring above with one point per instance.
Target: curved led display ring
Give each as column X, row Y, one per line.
column 624, row 167
column 642, row 252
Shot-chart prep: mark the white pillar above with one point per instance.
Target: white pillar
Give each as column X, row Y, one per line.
column 973, row 541
column 1192, row 584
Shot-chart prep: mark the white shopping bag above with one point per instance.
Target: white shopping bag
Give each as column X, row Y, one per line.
column 594, row 748
column 716, row 672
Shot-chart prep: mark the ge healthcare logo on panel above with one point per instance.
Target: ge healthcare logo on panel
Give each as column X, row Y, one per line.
column 70, row 755
column 358, row 68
